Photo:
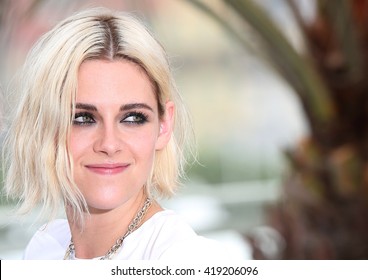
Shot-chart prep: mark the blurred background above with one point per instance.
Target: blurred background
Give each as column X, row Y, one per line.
column 276, row 90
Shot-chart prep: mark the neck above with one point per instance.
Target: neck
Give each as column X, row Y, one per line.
column 102, row 228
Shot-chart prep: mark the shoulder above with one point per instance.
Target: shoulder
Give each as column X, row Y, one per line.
column 170, row 225
column 49, row 242
column 167, row 236
column 155, row 236
column 167, row 223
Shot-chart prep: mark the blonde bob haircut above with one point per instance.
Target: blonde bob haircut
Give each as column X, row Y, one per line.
column 38, row 166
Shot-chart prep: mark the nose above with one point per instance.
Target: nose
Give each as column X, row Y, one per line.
column 108, row 141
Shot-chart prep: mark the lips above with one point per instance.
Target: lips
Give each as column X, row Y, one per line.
column 107, row 169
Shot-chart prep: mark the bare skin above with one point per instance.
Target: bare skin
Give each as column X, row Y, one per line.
column 115, row 134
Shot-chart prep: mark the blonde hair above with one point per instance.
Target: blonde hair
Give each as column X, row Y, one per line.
column 37, row 162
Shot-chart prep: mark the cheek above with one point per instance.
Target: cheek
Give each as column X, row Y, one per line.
column 77, row 144
column 144, row 146
column 141, row 144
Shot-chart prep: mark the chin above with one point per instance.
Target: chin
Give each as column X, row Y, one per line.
column 103, row 206
column 109, row 199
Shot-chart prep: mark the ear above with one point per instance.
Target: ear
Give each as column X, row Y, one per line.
column 166, row 126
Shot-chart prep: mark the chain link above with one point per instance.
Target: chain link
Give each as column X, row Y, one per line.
column 132, row 227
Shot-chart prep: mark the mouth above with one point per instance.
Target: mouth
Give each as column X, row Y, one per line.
column 107, row 169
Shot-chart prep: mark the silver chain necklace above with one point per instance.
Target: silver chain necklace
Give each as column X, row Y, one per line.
column 70, row 252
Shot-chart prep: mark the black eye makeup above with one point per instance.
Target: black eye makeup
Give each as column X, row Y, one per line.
column 83, row 118
column 86, row 118
column 137, row 118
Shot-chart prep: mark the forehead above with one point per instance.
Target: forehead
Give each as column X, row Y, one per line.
column 114, row 81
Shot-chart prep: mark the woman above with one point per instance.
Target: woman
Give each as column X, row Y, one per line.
column 94, row 133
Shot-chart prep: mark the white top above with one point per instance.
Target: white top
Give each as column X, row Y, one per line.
column 165, row 236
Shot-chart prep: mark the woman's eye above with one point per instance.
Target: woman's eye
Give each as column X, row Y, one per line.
column 83, row 119
column 135, row 118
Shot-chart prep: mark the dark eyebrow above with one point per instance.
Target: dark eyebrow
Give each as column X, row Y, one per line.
column 85, row 106
column 132, row 106
column 126, row 107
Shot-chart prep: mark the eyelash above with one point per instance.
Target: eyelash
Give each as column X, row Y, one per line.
column 84, row 122
column 140, row 118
